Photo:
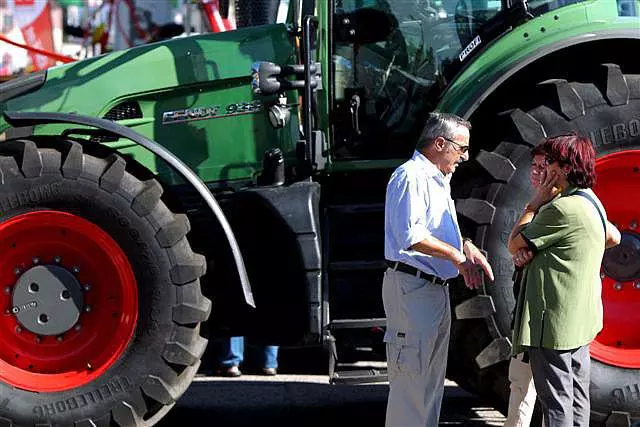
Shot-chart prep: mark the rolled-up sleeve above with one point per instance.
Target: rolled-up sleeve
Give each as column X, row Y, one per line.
column 409, row 210
column 547, row 228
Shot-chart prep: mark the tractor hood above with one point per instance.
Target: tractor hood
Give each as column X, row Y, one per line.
column 91, row 86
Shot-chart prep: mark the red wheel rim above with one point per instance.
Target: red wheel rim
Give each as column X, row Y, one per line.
column 618, row 343
column 102, row 332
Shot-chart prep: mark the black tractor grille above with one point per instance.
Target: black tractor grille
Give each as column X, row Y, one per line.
column 123, row 111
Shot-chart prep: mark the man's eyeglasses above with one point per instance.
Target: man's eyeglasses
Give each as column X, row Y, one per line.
column 461, row 148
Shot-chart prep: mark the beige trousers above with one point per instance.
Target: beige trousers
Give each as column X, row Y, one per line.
column 417, row 338
column 522, row 398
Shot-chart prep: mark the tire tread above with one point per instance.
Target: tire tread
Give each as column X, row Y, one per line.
column 185, row 347
column 113, row 174
column 192, row 307
column 148, row 198
column 612, row 84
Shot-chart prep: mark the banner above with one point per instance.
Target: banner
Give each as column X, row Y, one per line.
column 12, row 58
column 33, row 17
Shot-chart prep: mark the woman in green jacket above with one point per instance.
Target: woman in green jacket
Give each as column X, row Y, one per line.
column 559, row 308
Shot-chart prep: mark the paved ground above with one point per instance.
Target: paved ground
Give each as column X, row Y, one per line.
column 307, row 400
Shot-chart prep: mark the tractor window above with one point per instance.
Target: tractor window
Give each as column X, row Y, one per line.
column 538, row 7
column 628, row 7
column 388, row 56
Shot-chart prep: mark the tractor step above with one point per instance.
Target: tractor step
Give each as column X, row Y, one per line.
column 357, row 323
column 359, row 376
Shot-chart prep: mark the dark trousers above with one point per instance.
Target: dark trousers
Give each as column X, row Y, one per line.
column 561, row 378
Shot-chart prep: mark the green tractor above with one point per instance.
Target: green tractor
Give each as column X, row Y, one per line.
column 260, row 157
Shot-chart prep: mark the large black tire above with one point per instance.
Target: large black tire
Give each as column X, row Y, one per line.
column 607, row 109
column 164, row 353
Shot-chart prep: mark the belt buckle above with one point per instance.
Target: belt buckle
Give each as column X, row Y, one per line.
column 435, row 280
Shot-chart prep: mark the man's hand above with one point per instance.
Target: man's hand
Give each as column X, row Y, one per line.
column 522, row 257
column 471, row 274
column 474, row 266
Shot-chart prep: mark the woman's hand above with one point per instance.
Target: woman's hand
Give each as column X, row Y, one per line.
column 545, row 192
column 522, row 257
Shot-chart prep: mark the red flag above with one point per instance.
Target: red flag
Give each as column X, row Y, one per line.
column 33, row 17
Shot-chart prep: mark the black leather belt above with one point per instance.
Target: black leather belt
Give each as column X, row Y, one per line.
column 405, row 268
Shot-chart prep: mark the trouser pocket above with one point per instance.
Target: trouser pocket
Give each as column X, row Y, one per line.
column 403, row 353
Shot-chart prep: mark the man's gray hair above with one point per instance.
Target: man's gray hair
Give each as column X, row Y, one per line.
column 440, row 124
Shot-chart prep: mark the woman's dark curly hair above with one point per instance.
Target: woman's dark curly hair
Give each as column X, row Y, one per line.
column 577, row 152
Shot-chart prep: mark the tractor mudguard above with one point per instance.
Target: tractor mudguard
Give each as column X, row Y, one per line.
column 21, row 119
column 464, row 96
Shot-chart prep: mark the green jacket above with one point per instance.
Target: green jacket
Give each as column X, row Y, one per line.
column 559, row 305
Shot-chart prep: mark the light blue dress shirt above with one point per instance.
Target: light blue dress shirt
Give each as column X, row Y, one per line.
column 419, row 205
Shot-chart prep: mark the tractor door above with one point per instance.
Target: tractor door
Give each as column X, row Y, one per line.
column 391, row 61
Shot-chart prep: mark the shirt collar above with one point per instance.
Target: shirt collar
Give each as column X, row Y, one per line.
column 428, row 166
column 569, row 190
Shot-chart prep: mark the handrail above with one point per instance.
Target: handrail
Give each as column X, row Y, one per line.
column 57, row 57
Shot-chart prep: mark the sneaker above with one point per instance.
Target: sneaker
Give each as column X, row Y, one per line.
column 269, row 372
column 229, row 371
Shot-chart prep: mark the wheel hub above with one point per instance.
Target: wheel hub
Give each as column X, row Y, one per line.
column 622, row 262
column 47, row 300
column 618, row 343
column 70, row 301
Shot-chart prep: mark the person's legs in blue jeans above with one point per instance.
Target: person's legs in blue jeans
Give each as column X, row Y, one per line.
column 232, row 355
column 270, row 359
column 270, row 356
column 232, row 352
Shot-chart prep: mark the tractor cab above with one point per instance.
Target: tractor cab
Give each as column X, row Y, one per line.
column 391, row 61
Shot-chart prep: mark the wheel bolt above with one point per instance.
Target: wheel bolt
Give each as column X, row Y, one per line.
column 87, row 308
column 633, row 225
column 7, row 290
column 87, row 287
column 636, row 284
column 77, row 327
column 7, row 311
column 17, row 271
column 617, row 286
column 57, row 259
column 59, row 338
column 89, row 366
column 36, row 260
column 75, row 269
column 602, row 275
column 38, row 339
column 18, row 329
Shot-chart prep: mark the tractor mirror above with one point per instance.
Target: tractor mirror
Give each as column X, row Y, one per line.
column 365, row 25
column 265, row 78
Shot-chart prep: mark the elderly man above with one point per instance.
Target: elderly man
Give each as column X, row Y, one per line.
column 424, row 249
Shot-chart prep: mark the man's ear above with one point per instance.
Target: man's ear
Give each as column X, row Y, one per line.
column 566, row 169
column 439, row 143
